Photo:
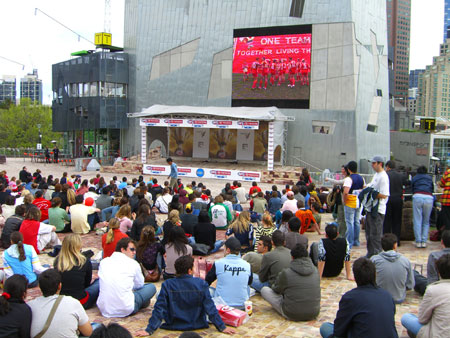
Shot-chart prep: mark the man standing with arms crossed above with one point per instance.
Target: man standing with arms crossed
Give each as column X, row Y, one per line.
column 374, row 221
column 173, row 174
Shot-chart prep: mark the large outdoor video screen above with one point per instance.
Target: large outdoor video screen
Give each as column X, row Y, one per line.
column 272, row 66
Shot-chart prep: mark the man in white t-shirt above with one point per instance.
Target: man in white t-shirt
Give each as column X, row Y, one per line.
column 79, row 216
column 374, row 221
column 69, row 316
column 162, row 202
column 122, row 288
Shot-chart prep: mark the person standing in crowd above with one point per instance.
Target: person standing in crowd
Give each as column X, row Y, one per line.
column 353, row 184
column 173, row 176
column 365, row 311
column 422, row 189
column 375, row 218
column 393, row 218
column 444, row 217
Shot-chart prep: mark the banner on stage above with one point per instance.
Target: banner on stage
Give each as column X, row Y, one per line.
column 199, row 123
column 223, row 174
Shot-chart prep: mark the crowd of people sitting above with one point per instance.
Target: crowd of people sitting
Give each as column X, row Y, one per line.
column 266, row 251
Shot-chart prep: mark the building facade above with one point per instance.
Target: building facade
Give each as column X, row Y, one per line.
column 8, row 88
column 90, row 103
column 181, row 53
column 434, row 87
column 398, row 24
column 414, row 77
column 31, row 87
column 446, row 20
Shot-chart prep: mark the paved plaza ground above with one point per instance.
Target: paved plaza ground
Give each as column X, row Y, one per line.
column 264, row 322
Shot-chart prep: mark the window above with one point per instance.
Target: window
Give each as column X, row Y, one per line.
column 372, row 128
column 297, row 8
column 93, row 89
column 379, row 92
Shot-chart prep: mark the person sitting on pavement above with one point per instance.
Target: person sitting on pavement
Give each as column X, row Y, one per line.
column 188, row 221
column 22, row 259
column 394, row 272
column 306, row 217
column 79, row 216
column 219, row 213
column 293, row 237
column 42, row 204
column 176, row 246
column 163, row 201
column 12, row 224
column 421, row 282
column 110, row 239
column 274, row 203
column 432, row 320
column 263, row 246
column 58, row 217
column 264, row 228
column 145, row 217
column 365, row 311
column 333, row 254
column 192, row 311
column 69, row 320
column 290, row 204
column 205, row 233
column 233, row 276
column 259, row 204
column 76, row 272
column 273, row 262
column 37, row 234
column 295, row 294
column 15, row 314
column 242, row 229
column 122, row 288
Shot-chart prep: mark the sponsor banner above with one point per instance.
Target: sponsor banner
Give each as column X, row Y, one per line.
column 224, row 174
column 199, row 123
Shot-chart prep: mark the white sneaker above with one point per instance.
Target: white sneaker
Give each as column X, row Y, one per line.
column 252, row 292
column 418, row 244
column 424, row 245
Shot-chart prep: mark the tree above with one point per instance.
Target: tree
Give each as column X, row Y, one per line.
column 19, row 125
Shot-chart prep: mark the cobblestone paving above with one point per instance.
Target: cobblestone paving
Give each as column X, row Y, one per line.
column 265, row 322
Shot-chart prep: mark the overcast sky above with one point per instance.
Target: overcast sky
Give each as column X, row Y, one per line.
column 38, row 42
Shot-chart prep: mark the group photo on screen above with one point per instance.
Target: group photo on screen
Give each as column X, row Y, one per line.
column 273, row 67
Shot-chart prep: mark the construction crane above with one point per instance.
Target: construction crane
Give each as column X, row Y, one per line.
column 18, row 63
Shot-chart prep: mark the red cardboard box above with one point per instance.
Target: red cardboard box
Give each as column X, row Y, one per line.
column 231, row 316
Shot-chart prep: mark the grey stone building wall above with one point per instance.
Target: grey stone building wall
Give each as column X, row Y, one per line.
column 181, row 54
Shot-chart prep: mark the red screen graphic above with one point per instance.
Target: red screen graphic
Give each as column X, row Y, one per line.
column 273, row 47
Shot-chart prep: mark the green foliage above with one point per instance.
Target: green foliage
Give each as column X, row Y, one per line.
column 19, row 125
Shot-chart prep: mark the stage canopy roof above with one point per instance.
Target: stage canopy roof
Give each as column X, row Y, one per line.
column 250, row 113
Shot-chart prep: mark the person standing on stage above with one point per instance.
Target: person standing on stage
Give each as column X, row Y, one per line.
column 173, row 174
column 55, row 154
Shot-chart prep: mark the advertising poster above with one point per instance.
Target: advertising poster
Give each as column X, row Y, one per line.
column 222, row 144
column 181, row 141
column 261, row 142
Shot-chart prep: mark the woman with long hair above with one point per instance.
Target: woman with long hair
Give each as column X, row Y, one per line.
column 76, row 272
column 175, row 204
column 15, row 314
column 71, row 197
column 173, row 220
column 22, row 259
column 266, row 228
column 177, row 246
column 84, row 188
column 110, row 239
column 37, row 234
column 100, row 185
column 28, row 201
column 242, row 229
column 124, row 216
column 58, row 216
column 148, row 248
column 205, row 232
column 144, row 217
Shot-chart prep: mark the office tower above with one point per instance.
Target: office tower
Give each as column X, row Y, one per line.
column 31, row 87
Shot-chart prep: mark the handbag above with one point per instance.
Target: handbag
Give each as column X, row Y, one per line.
column 152, row 276
column 50, row 317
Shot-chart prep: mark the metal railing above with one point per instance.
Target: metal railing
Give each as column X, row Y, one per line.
column 305, row 164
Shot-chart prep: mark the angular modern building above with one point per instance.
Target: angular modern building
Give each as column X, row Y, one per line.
column 31, row 87
column 186, row 53
column 446, row 20
column 8, row 88
column 90, row 103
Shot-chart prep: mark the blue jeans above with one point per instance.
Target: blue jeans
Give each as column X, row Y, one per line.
column 326, row 330
column 109, row 213
column 191, row 240
column 411, row 323
column 352, row 222
column 422, row 206
column 217, row 246
column 93, row 290
column 257, row 284
column 142, row 297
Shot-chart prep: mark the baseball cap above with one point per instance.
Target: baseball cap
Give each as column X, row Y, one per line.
column 233, row 244
column 377, row 159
